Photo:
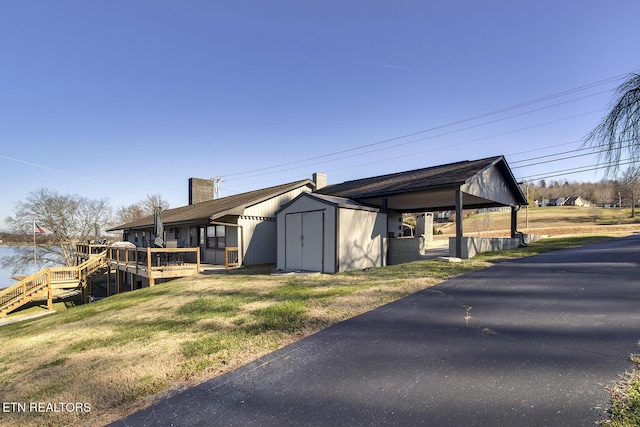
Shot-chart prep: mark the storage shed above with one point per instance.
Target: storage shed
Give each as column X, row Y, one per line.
column 329, row 234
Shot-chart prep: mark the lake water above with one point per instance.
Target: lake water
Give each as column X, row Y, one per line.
column 6, row 274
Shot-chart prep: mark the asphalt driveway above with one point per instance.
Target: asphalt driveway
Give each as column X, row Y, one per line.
column 530, row 342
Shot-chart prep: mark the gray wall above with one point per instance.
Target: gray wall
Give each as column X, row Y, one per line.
column 259, row 228
column 361, row 239
column 259, row 239
column 490, row 185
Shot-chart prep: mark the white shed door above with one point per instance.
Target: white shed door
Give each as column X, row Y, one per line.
column 304, row 242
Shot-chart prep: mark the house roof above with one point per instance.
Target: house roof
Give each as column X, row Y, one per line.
column 433, row 185
column 340, row 202
column 215, row 209
column 574, row 199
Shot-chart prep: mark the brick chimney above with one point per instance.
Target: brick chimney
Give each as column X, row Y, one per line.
column 200, row 190
column 320, row 179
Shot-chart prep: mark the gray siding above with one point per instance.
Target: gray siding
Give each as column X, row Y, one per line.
column 490, row 185
column 259, row 228
column 362, row 239
column 260, row 240
column 269, row 207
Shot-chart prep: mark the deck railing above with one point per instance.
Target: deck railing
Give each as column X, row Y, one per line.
column 155, row 263
column 155, row 257
column 26, row 289
column 35, row 285
column 231, row 258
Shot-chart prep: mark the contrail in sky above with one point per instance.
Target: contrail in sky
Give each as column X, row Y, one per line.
column 40, row 166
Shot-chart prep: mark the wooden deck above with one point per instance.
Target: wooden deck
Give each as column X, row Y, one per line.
column 149, row 263
column 45, row 281
column 156, row 263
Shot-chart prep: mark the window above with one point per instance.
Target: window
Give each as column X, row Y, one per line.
column 216, row 237
column 193, row 236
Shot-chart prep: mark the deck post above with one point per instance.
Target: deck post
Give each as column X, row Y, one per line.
column 49, row 292
column 49, row 298
column 108, row 280
column 149, row 271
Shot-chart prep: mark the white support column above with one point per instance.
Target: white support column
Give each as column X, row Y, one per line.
column 459, row 218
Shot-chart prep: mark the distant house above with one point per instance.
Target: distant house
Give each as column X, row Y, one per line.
column 576, row 201
column 246, row 221
column 553, row 202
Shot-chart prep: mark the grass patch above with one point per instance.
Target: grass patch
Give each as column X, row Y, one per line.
column 56, row 362
column 79, row 314
column 223, row 305
column 301, row 290
column 542, row 246
column 625, row 398
column 285, row 316
column 204, row 346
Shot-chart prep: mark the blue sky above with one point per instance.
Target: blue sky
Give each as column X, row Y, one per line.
column 120, row 99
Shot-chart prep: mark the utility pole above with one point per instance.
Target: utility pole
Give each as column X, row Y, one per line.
column 527, row 207
column 216, row 186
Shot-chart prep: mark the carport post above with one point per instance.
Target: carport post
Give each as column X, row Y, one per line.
column 458, row 223
column 514, row 221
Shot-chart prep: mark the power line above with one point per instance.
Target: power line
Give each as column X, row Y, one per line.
column 495, row 112
column 420, row 152
column 569, row 157
column 570, row 171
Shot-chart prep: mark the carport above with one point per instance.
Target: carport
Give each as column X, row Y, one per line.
column 475, row 184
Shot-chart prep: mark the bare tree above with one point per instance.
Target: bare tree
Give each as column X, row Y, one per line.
column 71, row 218
column 144, row 208
column 126, row 214
column 618, row 134
column 630, row 186
column 152, row 201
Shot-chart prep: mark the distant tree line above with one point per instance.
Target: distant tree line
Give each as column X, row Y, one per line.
column 605, row 192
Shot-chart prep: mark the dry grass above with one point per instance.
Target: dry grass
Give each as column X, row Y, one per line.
column 552, row 221
column 124, row 352
column 116, row 354
column 625, row 398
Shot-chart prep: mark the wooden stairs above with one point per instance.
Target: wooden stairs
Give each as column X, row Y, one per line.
column 48, row 279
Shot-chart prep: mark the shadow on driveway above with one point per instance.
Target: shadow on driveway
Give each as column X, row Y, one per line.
column 529, row 342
